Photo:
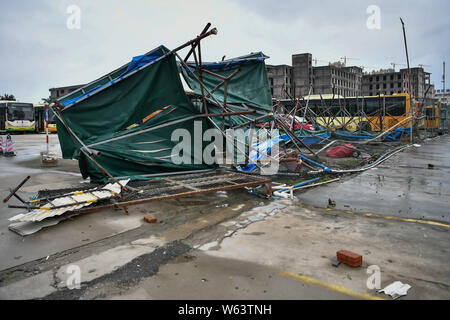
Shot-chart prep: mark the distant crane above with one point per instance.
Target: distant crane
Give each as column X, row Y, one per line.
column 345, row 58
column 423, row 65
column 315, row 61
column 393, row 64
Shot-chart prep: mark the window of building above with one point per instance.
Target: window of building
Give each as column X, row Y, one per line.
column 384, row 78
column 392, row 77
column 384, row 85
column 378, row 78
column 392, row 85
column 371, row 79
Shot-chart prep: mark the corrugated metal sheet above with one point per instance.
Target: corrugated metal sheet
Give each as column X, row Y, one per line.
column 87, row 197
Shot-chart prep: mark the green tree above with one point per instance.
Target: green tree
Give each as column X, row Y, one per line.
column 48, row 100
column 7, row 96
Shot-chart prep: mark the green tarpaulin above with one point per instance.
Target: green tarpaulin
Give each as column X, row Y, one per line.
column 129, row 116
column 247, row 90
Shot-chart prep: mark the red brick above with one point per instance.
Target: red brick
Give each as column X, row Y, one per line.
column 349, row 258
column 150, row 218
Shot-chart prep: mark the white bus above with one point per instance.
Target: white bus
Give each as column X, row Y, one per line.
column 16, row 116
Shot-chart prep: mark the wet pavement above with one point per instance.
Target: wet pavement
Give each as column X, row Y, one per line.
column 412, row 184
column 88, row 228
column 248, row 247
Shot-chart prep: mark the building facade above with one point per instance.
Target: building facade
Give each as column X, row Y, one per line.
column 346, row 81
column 302, row 73
column 56, row 93
column 280, row 80
column 302, row 76
column 443, row 96
column 390, row 81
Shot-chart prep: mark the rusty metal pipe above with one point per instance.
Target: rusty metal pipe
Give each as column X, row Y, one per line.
column 16, row 189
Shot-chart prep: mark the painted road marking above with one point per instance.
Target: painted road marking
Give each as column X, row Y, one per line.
column 434, row 223
column 369, row 214
column 329, row 286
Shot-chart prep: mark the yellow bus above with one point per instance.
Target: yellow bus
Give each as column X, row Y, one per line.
column 39, row 111
column 370, row 113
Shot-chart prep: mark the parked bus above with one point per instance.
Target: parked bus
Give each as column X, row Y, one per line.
column 39, row 113
column 432, row 120
column 435, row 116
column 16, row 116
column 370, row 113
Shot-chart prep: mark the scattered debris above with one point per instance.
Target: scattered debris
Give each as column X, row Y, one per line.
column 349, row 258
column 396, row 289
column 149, row 218
column 343, row 151
column 286, row 192
column 55, row 206
column 49, row 159
column 331, row 203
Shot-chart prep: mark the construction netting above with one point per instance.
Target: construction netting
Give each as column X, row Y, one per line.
column 126, row 119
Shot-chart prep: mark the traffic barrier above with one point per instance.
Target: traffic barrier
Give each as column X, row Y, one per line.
column 9, row 147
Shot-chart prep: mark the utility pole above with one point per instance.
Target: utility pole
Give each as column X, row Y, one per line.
column 411, row 104
column 443, row 77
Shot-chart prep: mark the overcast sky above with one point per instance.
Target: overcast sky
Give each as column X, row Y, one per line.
column 38, row 51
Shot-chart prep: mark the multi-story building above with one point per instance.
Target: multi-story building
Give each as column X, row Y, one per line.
column 389, row 81
column 280, row 79
column 299, row 78
column 56, row 93
column 346, row 81
column 443, row 96
column 302, row 73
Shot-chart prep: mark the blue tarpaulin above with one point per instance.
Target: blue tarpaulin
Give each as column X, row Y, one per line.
column 136, row 63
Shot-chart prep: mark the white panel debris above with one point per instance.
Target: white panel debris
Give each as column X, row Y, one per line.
column 79, row 199
column 396, row 289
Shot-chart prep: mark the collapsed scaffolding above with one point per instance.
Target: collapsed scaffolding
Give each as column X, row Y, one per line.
column 119, row 129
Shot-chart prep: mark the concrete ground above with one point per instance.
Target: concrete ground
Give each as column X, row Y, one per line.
column 417, row 186
column 232, row 245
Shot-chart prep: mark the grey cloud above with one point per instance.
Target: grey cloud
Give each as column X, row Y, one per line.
column 39, row 52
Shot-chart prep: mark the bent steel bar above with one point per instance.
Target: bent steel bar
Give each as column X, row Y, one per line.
column 242, row 180
column 193, row 48
column 213, row 123
column 269, row 115
column 13, row 192
column 200, row 37
column 145, row 130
